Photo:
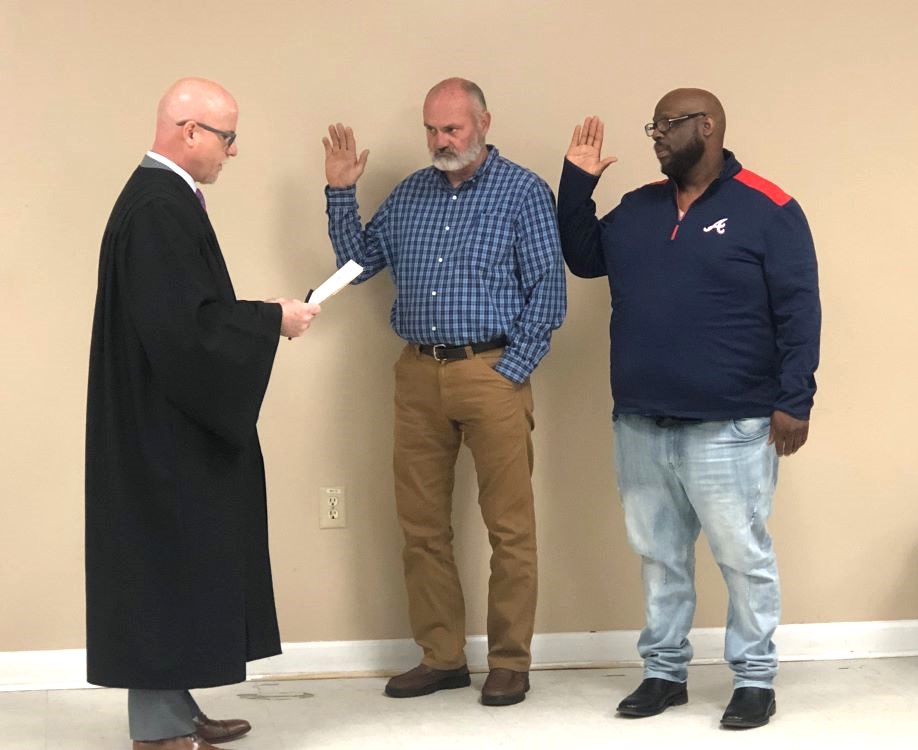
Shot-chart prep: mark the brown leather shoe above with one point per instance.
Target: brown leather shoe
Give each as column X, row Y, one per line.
column 504, row 687
column 191, row 742
column 220, row 730
column 424, row 680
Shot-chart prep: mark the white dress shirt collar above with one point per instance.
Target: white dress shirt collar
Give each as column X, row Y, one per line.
column 174, row 167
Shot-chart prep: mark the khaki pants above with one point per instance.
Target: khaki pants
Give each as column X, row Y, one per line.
column 437, row 406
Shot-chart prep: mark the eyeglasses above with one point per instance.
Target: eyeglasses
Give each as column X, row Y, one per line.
column 664, row 124
column 229, row 136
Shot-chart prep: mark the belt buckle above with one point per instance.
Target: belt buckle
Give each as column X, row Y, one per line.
column 434, row 352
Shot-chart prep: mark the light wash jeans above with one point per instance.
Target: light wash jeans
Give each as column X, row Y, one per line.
column 674, row 481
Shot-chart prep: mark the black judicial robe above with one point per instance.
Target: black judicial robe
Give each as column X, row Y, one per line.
column 178, row 580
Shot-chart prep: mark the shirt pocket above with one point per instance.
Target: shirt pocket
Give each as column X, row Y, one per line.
column 491, row 241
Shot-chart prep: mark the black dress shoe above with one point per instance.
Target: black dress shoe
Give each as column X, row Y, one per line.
column 653, row 697
column 749, row 707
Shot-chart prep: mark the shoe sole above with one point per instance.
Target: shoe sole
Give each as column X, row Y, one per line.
column 679, row 699
column 740, row 724
column 450, row 683
column 225, row 738
column 504, row 700
column 228, row 738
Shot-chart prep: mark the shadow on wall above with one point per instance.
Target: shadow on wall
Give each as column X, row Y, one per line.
column 584, row 557
column 362, row 400
column 906, row 588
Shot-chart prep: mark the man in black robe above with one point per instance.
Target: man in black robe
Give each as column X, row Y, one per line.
column 178, row 579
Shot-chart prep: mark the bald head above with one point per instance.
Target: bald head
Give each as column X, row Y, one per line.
column 457, row 123
column 688, row 137
column 461, row 87
column 687, row 101
column 196, row 102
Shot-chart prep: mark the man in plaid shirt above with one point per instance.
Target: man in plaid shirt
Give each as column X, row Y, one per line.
column 472, row 245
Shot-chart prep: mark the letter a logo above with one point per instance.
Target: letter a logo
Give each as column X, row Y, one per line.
column 719, row 226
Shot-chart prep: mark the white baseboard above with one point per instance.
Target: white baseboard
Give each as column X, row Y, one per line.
column 52, row 670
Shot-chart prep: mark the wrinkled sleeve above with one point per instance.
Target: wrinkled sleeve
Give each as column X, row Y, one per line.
column 581, row 239
column 793, row 289
column 212, row 357
column 541, row 269
column 349, row 239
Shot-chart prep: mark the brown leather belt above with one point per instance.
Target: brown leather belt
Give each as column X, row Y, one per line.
column 447, row 352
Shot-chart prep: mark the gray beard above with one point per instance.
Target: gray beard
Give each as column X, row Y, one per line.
column 455, row 162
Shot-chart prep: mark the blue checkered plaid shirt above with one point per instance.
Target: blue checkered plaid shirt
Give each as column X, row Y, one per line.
column 470, row 263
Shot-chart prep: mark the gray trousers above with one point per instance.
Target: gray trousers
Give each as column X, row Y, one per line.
column 161, row 714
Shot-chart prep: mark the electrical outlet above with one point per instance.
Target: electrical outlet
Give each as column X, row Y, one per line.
column 332, row 508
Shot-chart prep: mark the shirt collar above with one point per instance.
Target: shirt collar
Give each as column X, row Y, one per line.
column 729, row 170
column 732, row 167
column 174, row 167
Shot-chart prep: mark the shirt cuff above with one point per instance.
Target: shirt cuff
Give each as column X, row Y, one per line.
column 514, row 368
column 341, row 197
column 579, row 183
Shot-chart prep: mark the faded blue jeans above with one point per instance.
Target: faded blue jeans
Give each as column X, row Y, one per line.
column 675, row 481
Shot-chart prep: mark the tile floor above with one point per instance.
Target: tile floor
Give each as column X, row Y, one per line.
column 841, row 704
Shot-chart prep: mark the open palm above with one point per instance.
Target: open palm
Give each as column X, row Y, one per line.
column 585, row 150
column 342, row 165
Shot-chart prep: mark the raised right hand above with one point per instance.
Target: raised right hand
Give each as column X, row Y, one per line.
column 296, row 316
column 585, row 150
column 342, row 166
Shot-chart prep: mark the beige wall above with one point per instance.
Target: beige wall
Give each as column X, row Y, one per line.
column 820, row 99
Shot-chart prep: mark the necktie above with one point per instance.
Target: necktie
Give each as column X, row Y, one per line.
column 200, row 195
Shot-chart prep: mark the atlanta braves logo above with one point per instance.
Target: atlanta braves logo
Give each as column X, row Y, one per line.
column 719, row 226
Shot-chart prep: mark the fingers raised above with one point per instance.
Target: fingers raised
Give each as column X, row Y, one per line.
column 595, row 132
column 333, row 137
column 590, row 133
column 590, row 128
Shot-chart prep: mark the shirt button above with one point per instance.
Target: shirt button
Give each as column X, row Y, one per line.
column 455, row 196
column 445, row 229
column 433, row 328
column 433, row 294
column 439, row 260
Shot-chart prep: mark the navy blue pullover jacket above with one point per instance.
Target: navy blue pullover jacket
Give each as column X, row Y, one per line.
column 714, row 316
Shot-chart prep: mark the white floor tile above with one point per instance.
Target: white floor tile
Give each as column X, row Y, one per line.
column 865, row 703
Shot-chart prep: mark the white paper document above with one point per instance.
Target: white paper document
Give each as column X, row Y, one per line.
column 336, row 282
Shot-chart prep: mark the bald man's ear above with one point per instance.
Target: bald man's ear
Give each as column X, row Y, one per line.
column 708, row 125
column 484, row 124
column 189, row 132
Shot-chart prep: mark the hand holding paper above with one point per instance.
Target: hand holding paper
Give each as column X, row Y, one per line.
column 331, row 286
column 336, row 282
column 295, row 316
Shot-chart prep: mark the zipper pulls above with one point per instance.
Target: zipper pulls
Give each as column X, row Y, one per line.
column 675, row 231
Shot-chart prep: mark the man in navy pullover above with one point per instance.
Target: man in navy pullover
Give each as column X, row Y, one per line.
column 715, row 339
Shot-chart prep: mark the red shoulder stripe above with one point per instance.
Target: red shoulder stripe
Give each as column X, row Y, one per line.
column 751, row 179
